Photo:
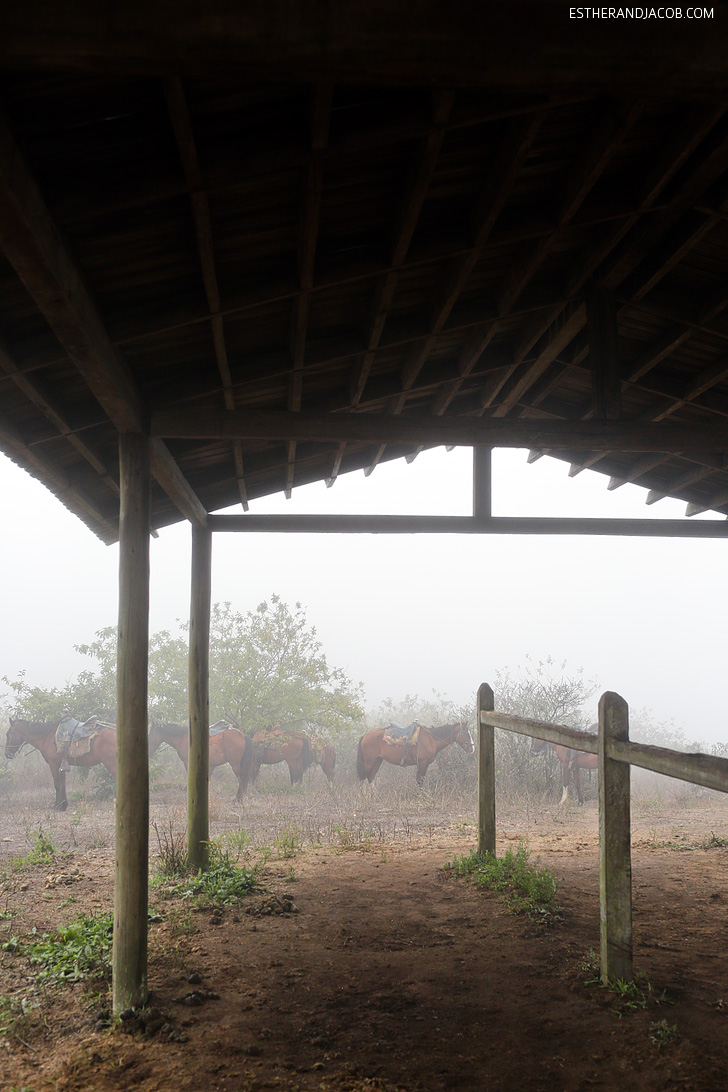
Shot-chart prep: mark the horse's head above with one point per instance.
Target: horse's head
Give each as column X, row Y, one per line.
column 538, row 745
column 154, row 739
column 464, row 738
column 14, row 739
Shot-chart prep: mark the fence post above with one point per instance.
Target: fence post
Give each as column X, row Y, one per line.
column 486, row 774
column 615, row 864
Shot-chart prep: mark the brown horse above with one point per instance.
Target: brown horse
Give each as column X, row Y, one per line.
column 324, row 756
column 274, row 745
column 227, row 745
column 572, row 763
column 42, row 735
column 374, row 748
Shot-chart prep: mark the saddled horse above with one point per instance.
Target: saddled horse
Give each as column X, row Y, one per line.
column 324, row 755
column 572, row 763
column 42, row 735
column 228, row 745
column 375, row 747
column 277, row 744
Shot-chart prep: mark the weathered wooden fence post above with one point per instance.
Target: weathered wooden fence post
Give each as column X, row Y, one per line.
column 615, row 864
column 198, row 767
column 486, row 773
column 129, row 959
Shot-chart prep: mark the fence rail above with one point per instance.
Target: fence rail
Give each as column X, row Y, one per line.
column 617, row 753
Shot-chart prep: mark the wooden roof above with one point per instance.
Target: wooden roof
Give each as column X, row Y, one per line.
column 294, row 262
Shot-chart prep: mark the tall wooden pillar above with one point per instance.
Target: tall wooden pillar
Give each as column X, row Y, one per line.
column 132, row 761
column 486, row 773
column 482, row 483
column 198, row 769
column 615, row 861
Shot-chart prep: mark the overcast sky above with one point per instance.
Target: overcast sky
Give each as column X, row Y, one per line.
column 409, row 614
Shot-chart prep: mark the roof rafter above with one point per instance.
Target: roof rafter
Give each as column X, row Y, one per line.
column 319, row 122
column 184, row 135
column 35, row 248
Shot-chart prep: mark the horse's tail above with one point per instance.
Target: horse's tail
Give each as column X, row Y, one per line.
column 248, row 769
column 306, row 753
column 360, row 767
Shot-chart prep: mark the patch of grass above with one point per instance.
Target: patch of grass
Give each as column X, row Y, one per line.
column 17, row 1017
column 238, row 841
column 171, row 860
column 525, row 889
column 79, row 950
column 43, row 852
column 290, row 843
column 225, row 883
column 716, row 841
column 634, row 996
column 662, row 1033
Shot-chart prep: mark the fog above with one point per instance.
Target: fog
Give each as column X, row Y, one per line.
column 409, row 614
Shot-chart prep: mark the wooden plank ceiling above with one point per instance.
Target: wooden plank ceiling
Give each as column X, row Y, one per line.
column 223, row 262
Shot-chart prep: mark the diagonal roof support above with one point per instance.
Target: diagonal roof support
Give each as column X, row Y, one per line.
column 40, row 256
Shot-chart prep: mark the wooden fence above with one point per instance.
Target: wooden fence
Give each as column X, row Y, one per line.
column 616, row 754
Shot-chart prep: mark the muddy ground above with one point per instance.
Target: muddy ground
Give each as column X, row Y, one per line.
column 388, row 973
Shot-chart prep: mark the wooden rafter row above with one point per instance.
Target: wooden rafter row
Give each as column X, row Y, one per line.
column 514, row 150
column 35, row 248
column 590, row 264
column 184, row 135
column 319, row 123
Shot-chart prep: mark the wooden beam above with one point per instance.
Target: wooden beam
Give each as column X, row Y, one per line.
column 486, row 771
column 524, row 46
column 132, row 760
column 198, row 770
column 413, row 200
column 603, row 355
column 187, row 146
column 615, row 864
column 706, row 171
column 451, row 525
column 12, row 443
column 667, row 436
column 37, row 251
column 482, row 482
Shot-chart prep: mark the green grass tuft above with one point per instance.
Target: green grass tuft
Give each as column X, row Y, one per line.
column 526, row 890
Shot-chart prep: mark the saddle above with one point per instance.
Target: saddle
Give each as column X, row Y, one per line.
column 74, row 738
column 219, row 726
column 404, row 736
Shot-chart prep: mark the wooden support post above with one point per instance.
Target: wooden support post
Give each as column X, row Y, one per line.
column 132, row 762
column 482, row 482
column 198, row 769
column 601, row 316
column 615, row 865
column 486, row 774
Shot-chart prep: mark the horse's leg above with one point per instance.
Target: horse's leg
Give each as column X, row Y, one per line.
column 372, row 773
column 59, row 783
column 577, row 782
column 565, row 771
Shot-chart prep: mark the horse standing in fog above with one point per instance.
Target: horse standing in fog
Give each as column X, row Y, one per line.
column 227, row 745
column 572, row 763
column 377, row 746
column 42, row 736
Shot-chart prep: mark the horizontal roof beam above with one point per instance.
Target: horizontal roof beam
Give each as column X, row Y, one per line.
column 523, row 45
column 451, row 525
column 283, row 426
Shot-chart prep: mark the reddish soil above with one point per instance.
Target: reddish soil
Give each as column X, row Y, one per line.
column 395, row 976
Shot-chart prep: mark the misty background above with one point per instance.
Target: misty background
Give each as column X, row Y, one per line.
column 409, row 614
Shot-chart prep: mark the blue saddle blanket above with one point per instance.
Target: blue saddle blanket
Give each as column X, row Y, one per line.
column 401, row 731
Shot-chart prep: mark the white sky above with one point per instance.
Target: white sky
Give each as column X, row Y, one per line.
column 409, row 614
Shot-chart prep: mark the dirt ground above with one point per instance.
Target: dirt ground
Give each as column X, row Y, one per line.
column 390, row 974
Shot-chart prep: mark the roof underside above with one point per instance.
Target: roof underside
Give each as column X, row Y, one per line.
column 196, row 242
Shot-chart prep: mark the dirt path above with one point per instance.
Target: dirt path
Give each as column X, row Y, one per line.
column 394, row 976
